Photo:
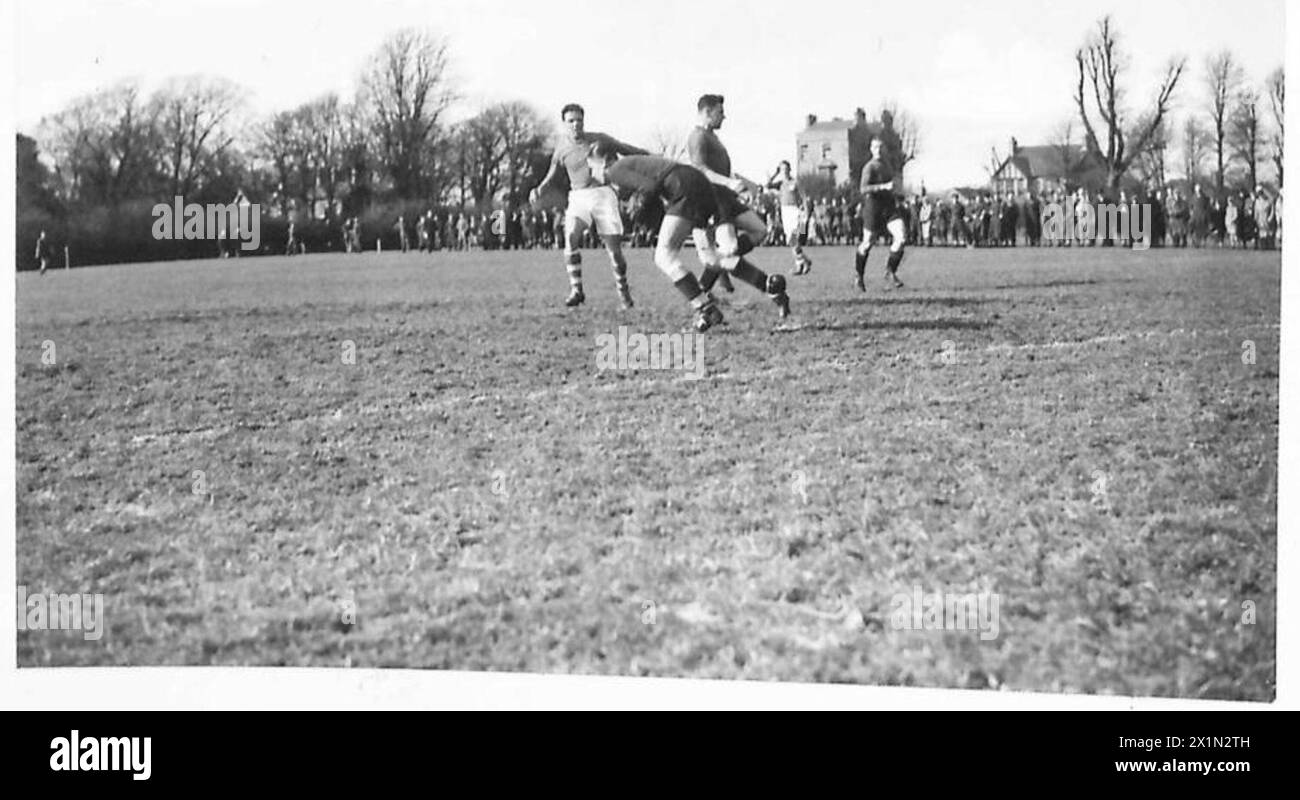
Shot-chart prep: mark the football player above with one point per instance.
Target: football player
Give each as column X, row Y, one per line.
column 879, row 212
column 710, row 157
column 688, row 203
column 589, row 203
column 784, row 182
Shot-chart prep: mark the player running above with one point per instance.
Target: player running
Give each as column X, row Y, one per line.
column 689, row 203
column 710, row 157
column 791, row 212
column 588, row 202
column 879, row 211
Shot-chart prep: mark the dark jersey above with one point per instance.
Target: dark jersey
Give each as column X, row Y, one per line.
column 572, row 156
column 707, row 150
column 639, row 173
column 876, row 171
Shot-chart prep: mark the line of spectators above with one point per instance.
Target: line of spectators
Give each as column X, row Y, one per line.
column 1240, row 219
column 502, row 229
column 958, row 220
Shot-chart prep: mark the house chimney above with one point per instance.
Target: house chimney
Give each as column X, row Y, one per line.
column 812, row 120
column 860, row 117
column 1014, row 145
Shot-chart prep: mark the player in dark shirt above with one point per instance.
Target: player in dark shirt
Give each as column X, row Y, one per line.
column 880, row 212
column 689, row 206
column 710, row 157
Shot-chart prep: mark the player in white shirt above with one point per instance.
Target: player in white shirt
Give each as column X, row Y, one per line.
column 791, row 213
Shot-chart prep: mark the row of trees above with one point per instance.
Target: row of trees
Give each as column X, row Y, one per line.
column 193, row 137
column 1236, row 128
column 102, row 162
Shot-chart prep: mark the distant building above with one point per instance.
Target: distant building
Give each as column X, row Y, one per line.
column 1044, row 168
column 836, row 149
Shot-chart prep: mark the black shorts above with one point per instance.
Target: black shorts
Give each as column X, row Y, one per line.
column 878, row 210
column 689, row 195
column 730, row 205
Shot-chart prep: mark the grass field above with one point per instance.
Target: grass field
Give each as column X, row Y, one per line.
column 1074, row 431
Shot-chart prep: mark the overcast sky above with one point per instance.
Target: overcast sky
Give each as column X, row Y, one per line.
column 972, row 74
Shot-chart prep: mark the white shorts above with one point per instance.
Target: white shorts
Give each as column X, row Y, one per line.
column 790, row 221
column 597, row 204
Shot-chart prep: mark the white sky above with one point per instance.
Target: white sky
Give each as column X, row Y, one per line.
column 973, row 74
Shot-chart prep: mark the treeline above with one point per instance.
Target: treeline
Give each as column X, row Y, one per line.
column 1228, row 137
column 93, row 171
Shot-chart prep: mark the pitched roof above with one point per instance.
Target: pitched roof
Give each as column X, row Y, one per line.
column 832, row 125
column 1041, row 161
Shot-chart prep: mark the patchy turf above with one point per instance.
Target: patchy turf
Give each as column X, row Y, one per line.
column 1073, row 431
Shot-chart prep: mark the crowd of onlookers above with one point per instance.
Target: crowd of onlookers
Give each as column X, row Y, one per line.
column 988, row 219
column 502, row 229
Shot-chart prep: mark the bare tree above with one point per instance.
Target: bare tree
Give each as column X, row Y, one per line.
column 1152, row 160
column 285, row 141
column 995, row 162
column 524, row 133
column 457, row 158
column 406, row 89
column 1223, row 77
column 484, row 149
column 356, row 158
column 901, row 134
column 104, row 146
column 1101, row 64
column 322, row 119
column 196, row 122
column 1244, row 132
column 501, row 150
column 1196, row 147
column 1276, row 86
column 1067, row 148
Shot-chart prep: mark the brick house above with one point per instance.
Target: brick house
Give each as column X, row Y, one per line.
column 836, row 149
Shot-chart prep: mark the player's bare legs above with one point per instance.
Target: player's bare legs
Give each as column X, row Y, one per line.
column 713, row 272
column 796, row 239
column 860, row 258
column 746, row 230
column 614, row 246
column 802, row 263
column 750, row 225
column 668, row 258
column 897, row 242
column 575, row 231
column 729, row 257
